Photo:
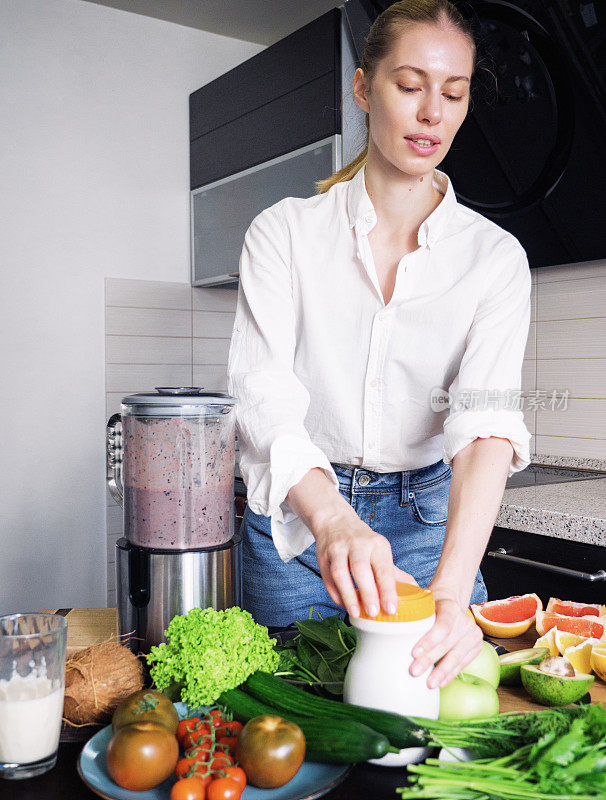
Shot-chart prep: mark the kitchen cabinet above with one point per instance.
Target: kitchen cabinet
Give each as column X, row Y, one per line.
column 285, row 97
column 517, row 562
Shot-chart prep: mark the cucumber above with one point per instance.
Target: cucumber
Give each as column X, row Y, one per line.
column 400, row 730
column 333, row 741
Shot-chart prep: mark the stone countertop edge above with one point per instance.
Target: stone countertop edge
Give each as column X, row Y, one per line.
column 597, row 464
column 573, row 510
column 547, row 522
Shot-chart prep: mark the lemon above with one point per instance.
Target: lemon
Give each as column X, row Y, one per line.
column 548, row 640
column 563, row 639
column 597, row 661
column 579, row 655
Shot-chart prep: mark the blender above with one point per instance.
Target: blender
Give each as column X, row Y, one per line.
column 170, row 465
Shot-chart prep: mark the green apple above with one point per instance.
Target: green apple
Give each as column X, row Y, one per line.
column 468, row 697
column 486, row 665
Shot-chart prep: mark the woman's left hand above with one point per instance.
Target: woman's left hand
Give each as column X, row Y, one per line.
column 454, row 638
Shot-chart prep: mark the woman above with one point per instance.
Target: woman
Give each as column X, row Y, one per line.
column 360, row 311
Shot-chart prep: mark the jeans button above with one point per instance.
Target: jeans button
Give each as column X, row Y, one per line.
column 364, row 480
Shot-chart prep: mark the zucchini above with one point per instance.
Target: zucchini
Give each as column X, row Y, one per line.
column 400, row 730
column 333, row 741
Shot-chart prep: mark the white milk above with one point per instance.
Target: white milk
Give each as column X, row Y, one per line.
column 30, row 718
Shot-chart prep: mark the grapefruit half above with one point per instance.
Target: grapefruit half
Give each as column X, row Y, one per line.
column 508, row 617
column 572, row 609
column 588, row 626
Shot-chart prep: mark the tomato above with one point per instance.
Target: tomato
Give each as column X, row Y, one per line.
column 216, row 718
column 200, row 752
column 236, row 774
column 221, row 760
column 189, row 763
column 146, row 706
column 270, row 750
column 223, row 789
column 228, row 741
column 188, row 789
column 200, row 769
column 141, row 755
column 198, row 735
column 185, row 726
column 232, row 728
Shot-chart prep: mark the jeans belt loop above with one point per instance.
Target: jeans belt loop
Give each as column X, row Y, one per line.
column 405, row 485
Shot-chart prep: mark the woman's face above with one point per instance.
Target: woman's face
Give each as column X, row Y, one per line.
column 404, row 102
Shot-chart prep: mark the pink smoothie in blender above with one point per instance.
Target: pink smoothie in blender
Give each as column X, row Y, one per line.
column 178, row 477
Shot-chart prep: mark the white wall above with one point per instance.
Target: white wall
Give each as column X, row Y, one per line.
column 95, row 176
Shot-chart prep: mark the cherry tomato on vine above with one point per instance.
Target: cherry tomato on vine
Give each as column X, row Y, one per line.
column 188, row 789
column 221, row 761
column 236, row 774
column 199, row 735
column 223, row 789
column 186, row 726
column 231, row 728
column 228, row 741
column 216, row 718
column 201, row 751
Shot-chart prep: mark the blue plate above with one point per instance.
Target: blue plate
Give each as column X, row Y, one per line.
column 312, row 780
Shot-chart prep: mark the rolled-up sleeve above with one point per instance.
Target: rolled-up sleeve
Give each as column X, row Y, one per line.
column 485, row 397
column 276, row 450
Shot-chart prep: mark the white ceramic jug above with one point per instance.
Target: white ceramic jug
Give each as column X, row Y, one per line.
column 378, row 674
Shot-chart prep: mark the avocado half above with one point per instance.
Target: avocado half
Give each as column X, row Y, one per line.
column 511, row 663
column 554, row 690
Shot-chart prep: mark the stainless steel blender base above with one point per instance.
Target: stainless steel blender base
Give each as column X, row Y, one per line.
column 153, row 586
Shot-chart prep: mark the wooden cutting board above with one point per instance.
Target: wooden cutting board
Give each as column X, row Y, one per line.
column 86, row 626
column 512, row 698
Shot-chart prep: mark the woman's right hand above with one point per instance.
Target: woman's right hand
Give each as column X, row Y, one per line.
column 347, row 549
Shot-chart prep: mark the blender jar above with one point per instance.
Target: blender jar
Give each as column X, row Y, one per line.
column 172, row 468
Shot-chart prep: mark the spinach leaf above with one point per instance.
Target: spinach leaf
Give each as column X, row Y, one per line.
column 320, row 652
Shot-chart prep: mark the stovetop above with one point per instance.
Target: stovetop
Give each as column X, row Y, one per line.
column 541, row 475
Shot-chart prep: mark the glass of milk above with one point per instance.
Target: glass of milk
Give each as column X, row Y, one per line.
column 32, row 681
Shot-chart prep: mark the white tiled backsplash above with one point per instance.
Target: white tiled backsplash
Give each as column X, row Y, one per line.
column 160, row 333
column 566, row 351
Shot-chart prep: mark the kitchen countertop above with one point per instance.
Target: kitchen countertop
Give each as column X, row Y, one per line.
column 574, row 510
column 87, row 626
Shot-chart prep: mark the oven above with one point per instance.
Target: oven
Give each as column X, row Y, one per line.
column 516, row 562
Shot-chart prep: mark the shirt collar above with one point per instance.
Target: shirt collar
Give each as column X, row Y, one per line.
column 361, row 210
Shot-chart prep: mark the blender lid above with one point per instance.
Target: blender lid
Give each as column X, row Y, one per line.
column 180, row 400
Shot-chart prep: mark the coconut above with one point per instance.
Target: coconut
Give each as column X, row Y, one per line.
column 97, row 679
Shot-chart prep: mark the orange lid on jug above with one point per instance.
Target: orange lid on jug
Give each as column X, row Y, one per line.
column 414, row 603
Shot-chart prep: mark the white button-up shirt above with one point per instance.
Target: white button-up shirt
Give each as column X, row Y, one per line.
column 324, row 371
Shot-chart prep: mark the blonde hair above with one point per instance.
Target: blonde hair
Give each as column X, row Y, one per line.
column 383, row 32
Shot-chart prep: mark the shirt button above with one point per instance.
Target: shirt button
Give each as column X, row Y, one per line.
column 364, row 480
column 369, row 217
column 374, row 383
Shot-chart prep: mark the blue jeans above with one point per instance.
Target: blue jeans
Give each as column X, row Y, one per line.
column 408, row 508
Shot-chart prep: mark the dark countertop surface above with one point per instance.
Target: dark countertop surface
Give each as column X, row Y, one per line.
column 364, row 782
